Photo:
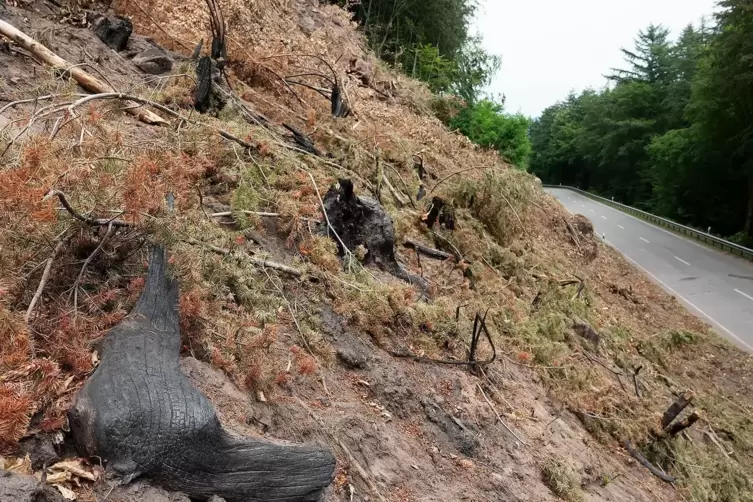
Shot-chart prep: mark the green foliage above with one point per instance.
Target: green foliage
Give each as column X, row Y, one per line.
column 429, row 41
column 560, row 477
column 496, row 201
column 431, row 67
column 673, row 134
column 486, row 124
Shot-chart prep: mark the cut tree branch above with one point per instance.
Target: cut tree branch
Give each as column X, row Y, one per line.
column 648, row 465
column 676, row 408
column 251, row 259
column 87, row 81
column 427, row 251
column 85, row 219
column 42, row 283
column 683, row 424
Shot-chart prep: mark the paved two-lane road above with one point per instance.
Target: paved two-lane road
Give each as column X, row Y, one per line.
column 715, row 286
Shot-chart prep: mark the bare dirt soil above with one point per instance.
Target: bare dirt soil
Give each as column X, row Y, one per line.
column 320, row 356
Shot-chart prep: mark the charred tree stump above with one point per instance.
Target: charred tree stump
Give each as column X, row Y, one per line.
column 676, row 408
column 340, row 108
column 144, row 418
column 203, row 84
column 440, row 211
column 679, row 426
column 361, row 221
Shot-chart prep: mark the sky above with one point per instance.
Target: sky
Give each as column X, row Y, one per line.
column 549, row 47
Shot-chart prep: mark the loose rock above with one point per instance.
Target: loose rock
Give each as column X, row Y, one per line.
column 22, row 488
column 154, row 61
column 114, row 31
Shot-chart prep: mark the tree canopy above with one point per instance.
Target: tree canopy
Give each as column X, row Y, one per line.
column 429, row 41
column 672, row 134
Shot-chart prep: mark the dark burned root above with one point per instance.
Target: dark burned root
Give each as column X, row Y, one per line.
column 140, row 414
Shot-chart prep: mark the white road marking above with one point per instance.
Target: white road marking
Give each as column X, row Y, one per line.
column 591, row 210
column 686, row 239
column 582, row 205
column 746, row 296
column 621, row 227
column 604, row 217
column 680, row 259
column 644, row 240
column 688, row 302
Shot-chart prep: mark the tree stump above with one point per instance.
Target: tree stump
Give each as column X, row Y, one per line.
column 363, row 221
column 144, row 418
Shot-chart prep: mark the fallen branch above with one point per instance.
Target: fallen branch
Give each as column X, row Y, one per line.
column 454, row 174
column 455, row 251
column 251, row 259
column 129, row 98
column 250, row 213
column 42, row 283
column 479, row 326
column 715, row 439
column 635, row 380
column 87, row 81
column 395, row 194
column 241, row 142
column 499, row 417
column 405, row 185
column 427, row 251
column 303, row 140
column 617, row 374
column 648, row 465
column 320, row 90
column 683, row 424
column 85, row 219
column 573, row 234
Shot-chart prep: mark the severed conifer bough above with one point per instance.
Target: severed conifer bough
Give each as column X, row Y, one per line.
column 141, row 415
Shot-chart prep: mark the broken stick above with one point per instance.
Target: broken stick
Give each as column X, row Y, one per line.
column 88, row 82
column 251, row 259
column 425, row 250
column 683, row 424
column 648, row 465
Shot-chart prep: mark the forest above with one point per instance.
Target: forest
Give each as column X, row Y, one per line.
column 673, row 131
column 432, row 42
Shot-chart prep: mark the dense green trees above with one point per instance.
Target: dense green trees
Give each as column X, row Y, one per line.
column 429, row 41
column 486, row 124
column 673, row 134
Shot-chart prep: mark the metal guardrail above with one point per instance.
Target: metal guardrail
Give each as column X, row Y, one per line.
column 698, row 235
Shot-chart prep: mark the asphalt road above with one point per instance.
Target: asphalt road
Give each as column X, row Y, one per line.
column 714, row 285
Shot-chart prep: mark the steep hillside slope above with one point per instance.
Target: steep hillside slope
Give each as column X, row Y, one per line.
column 291, row 341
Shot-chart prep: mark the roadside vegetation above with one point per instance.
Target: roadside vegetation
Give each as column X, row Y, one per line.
column 431, row 41
column 672, row 133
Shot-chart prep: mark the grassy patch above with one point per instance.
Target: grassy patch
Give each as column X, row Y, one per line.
column 560, row 477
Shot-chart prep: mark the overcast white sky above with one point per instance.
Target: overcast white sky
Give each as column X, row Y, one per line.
column 549, row 47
